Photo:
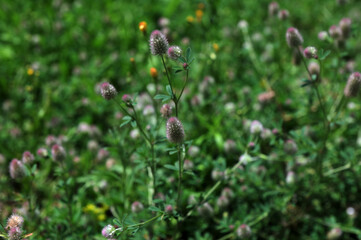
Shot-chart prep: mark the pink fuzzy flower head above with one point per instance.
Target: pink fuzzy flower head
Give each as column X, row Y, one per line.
column 16, row 169
column 108, row 91
column 169, row 209
column 283, row 15
column 108, row 230
column 174, row 52
column 28, row 157
column 166, row 111
column 293, row 37
column 137, row 207
column 58, row 152
column 158, row 43
column 15, row 233
column 322, row 35
column 127, row 99
column 310, row 52
column 353, row 85
column 222, row 201
column 345, row 26
column 42, row 152
column 175, row 130
column 273, row 8
column 243, row 231
column 15, row 220
column 335, row 32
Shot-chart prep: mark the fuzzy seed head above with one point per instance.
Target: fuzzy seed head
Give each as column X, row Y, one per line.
column 174, row 52
column 353, row 85
column 158, row 43
column 15, row 220
column 293, row 37
column 58, row 152
column 310, row 52
column 166, row 111
column 16, row 169
column 108, row 91
column 175, row 130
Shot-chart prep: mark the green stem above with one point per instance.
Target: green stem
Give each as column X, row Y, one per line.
column 180, row 173
column 154, row 169
column 169, row 82
column 143, row 223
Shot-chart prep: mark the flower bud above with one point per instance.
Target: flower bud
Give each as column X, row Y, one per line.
column 58, row 152
column 108, row 230
column 175, row 130
column 322, row 35
column 345, row 26
column 290, row 178
column 245, row 158
column 266, row 97
column 28, row 157
column 222, row 202
column 188, row 164
column 143, row 26
column 153, row 72
column 158, row 43
column 108, row 91
column 229, row 146
column 166, row 111
column 174, row 52
column 293, row 37
column 205, row 210
column 351, row 212
column 137, row 207
column 290, row 147
column 16, row 169
column 310, row 52
column 243, row 231
column 314, row 68
column 353, row 85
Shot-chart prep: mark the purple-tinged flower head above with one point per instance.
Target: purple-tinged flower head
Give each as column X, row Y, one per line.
column 227, row 192
column 16, row 169
column 291, row 177
column 217, row 175
column 205, row 210
column 243, row 231
column 251, row 145
column 273, row 8
column 322, row 35
column 334, row 233
column 93, row 145
column 108, row 91
column 350, row 66
column 229, row 146
column 137, row 207
column 275, row 131
column 127, row 99
column 175, row 130
column 345, row 26
column 222, row 201
column 188, row 164
column 185, row 66
column 353, row 85
column 28, row 157
column 256, row 127
column 174, row 52
column 310, row 52
column 15, row 233
column 193, row 151
column 58, row 152
column 158, row 43
column 335, row 32
column 163, row 22
column 42, row 152
column 50, row 140
column 290, row 147
column 102, row 154
column 168, row 209
column 108, row 230
column 314, row 68
column 15, row 220
column 166, row 111
column 283, row 14
column 245, row 158
column 148, row 110
column 293, row 37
